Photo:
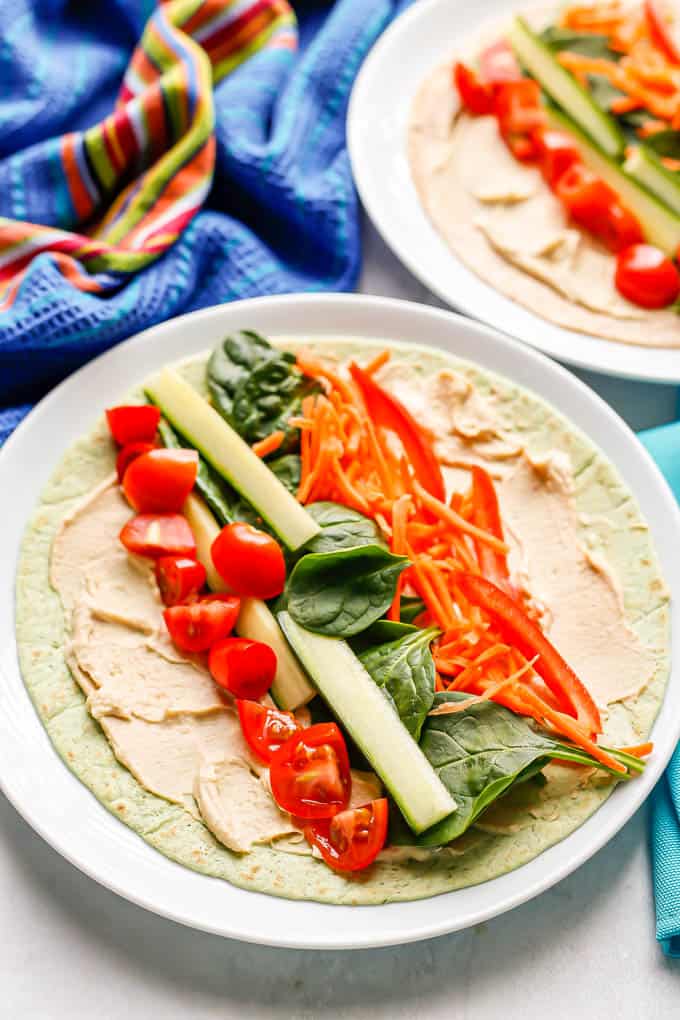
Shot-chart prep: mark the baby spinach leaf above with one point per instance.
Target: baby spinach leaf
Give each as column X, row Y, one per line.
column 287, row 470
column 341, row 528
column 588, row 44
column 379, row 633
column 665, row 143
column 342, row 593
column 257, row 388
column 411, row 606
column 481, row 752
column 404, row 669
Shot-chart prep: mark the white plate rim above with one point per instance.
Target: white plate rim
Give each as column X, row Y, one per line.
column 54, row 423
column 376, row 127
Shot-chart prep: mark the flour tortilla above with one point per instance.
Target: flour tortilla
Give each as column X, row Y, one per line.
column 512, row 833
column 445, row 150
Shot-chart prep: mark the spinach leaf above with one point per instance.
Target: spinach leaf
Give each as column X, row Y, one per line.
column 602, row 92
column 287, row 470
column 481, row 752
column 588, row 44
column 665, row 143
column 411, row 606
column 342, row 593
column 379, row 633
column 217, row 493
column 341, row 528
column 404, row 669
column 257, row 388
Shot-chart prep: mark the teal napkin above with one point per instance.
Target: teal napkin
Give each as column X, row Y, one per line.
column 664, row 445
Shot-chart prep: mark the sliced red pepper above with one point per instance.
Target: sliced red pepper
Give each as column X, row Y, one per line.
column 493, row 564
column 498, row 63
column 518, row 630
column 389, row 413
column 663, row 32
column 475, row 95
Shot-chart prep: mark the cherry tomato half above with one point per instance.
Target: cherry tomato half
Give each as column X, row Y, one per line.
column 179, row 578
column 249, row 560
column 157, row 535
column 197, row 626
column 646, row 277
column 619, row 228
column 352, row 839
column 556, row 153
column 243, row 667
column 265, row 728
column 520, row 115
column 160, row 481
column 309, row 774
column 134, row 423
column 475, row 95
column 127, row 454
column 498, row 63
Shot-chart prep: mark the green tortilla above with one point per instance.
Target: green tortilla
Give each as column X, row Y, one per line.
column 511, row 833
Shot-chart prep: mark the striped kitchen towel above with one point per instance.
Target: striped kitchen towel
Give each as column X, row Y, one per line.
column 159, row 157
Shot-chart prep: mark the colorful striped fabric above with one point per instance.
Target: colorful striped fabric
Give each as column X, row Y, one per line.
column 136, row 179
column 107, row 152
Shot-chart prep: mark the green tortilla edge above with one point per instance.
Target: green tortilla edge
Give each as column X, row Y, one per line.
column 614, row 525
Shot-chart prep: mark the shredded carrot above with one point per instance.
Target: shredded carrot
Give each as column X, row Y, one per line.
column 377, row 362
column 445, row 513
column 401, row 510
column 670, row 164
column 441, row 590
column 502, row 682
column 269, row 444
column 316, row 369
column 569, row 728
column 652, row 127
column 428, row 595
column 625, row 104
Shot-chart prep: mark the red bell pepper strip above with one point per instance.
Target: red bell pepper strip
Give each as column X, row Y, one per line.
column 486, row 515
column 518, row 630
column 663, row 32
column 389, row 413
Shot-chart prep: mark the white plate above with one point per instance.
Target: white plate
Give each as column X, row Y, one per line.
column 63, row 811
column 424, row 36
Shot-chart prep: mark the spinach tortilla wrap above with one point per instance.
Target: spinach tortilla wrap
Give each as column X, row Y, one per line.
column 143, row 727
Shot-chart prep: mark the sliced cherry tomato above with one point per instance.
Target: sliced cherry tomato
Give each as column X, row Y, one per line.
column 475, row 96
column 161, row 480
column 493, row 564
column 197, row 626
column 498, row 63
column 664, row 28
column 243, row 667
column 265, row 728
column 179, row 578
column 519, row 113
column 585, row 195
column 620, row 228
column 352, row 839
column 529, row 639
column 134, row 423
column 157, row 535
column 556, row 153
column 646, row 277
column 127, row 454
column 249, row 560
column 309, row 774
column 389, row 413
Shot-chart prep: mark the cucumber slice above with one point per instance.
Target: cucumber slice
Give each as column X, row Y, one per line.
column 541, row 63
column 373, row 724
column 232, row 457
column 660, row 224
column 291, row 688
column 645, row 166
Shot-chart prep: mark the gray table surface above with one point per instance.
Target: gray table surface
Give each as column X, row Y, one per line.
column 72, row 949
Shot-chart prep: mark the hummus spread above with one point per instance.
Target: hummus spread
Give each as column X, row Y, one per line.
column 179, row 735
column 504, row 223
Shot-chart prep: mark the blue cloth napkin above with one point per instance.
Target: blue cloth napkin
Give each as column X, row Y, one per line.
column 664, row 445
column 282, row 214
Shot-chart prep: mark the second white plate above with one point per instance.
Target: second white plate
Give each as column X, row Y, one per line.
column 377, row 120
